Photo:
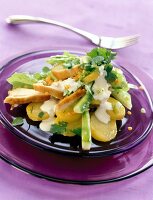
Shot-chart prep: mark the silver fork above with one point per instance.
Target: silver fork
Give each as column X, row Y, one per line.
column 107, row 42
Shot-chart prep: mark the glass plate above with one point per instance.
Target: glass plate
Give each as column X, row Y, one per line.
column 33, row 62
column 82, row 169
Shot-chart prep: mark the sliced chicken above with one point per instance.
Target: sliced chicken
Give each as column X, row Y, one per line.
column 68, row 100
column 62, row 73
column 48, row 89
column 24, row 95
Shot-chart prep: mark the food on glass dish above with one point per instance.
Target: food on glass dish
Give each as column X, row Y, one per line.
column 74, row 95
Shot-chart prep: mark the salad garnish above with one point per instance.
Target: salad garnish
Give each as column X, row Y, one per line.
column 74, row 95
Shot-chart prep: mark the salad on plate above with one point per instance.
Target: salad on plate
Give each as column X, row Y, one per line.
column 74, row 95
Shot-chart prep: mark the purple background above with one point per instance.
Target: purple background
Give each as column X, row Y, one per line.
column 114, row 18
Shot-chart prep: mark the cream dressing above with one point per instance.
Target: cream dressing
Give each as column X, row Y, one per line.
column 49, row 107
column 69, row 84
column 102, row 93
column 101, row 113
column 101, row 89
column 45, row 125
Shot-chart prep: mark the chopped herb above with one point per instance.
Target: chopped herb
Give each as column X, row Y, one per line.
column 41, row 114
column 101, row 55
column 111, row 76
column 37, row 76
column 98, row 60
column 42, row 75
column 77, row 131
column 89, row 67
column 17, row 121
column 67, row 93
column 45, row 70
column 108, row 68
column 68, row 65
column 59, row 128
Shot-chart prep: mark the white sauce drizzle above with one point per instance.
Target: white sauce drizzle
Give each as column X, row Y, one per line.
column 102, row 93
column 49, row 107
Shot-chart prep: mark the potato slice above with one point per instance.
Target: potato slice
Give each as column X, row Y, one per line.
column 67, row 114
column 71, row 126
column 35, row 113
column 62, row 73
column 74, row 125
column 118, row 111
column 103, row 132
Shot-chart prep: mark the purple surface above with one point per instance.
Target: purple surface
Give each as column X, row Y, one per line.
column 100, row 17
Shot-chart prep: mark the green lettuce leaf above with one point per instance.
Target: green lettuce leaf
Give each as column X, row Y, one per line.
column 67, row 59
column 101, row 56
column 22, row 80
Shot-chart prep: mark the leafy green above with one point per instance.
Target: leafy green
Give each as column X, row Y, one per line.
column 68, row 65
column 26, row 80
column 45, row 70
column 101, row 55
column 111, row 76
column 17, row 121
column 41, row 114
column 98, row 60
column 67, row 59
column 22, row 80
column 108, row 68
column 43, row 74
column 59, row 128
column 89, row 67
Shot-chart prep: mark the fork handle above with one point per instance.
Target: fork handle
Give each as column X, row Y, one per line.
column 25, row 19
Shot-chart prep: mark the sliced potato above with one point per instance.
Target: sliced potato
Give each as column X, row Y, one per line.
column 103, row 132
column 67, row 114
column 91, row 77
column 118, row 111
column 62, row 73
column 71, row 126
column 34, row 112
column 74, row 125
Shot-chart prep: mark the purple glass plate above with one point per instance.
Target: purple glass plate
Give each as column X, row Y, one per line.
column 33, row 62
column 83, row 169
